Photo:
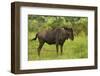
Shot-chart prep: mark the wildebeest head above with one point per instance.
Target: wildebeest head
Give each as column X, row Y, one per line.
column 69, row 32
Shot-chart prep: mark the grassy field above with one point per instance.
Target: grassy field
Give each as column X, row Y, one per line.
column 76, row 49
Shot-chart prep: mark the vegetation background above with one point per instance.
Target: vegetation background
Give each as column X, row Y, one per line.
column 76, row 49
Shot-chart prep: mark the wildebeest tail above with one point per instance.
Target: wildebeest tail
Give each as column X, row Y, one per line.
column 35, row 37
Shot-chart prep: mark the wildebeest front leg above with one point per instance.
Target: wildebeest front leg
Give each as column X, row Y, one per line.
column 57, row 46
column 57, row 49
column 61, row 47
column 39, row 48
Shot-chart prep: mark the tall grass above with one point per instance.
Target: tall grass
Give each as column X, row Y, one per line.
column 76, row 49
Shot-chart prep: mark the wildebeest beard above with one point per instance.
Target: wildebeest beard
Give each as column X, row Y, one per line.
column 55, row 36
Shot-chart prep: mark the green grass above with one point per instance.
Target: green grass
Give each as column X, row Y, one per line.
column 76, row 49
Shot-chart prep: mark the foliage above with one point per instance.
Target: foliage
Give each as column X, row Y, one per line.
column 37, row 22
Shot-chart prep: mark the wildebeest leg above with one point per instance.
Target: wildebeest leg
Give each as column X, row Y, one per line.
column 39, row 48
column 57, row 48
column 57, row 45
column 61, row 47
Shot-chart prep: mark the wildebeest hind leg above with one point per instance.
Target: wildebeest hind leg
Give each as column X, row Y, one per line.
column 39, row 48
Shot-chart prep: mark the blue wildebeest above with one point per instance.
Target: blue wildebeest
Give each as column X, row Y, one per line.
column 55, row 36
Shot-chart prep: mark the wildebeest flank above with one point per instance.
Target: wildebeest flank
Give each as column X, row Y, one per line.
column 55, row 36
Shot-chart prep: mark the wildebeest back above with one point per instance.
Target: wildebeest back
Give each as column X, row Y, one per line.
column 53, row 35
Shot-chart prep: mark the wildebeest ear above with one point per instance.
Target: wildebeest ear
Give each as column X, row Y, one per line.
column 65, row 28
column 68, row 28
column 71, row 28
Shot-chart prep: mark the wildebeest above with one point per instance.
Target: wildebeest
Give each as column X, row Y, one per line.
column 54, row 36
